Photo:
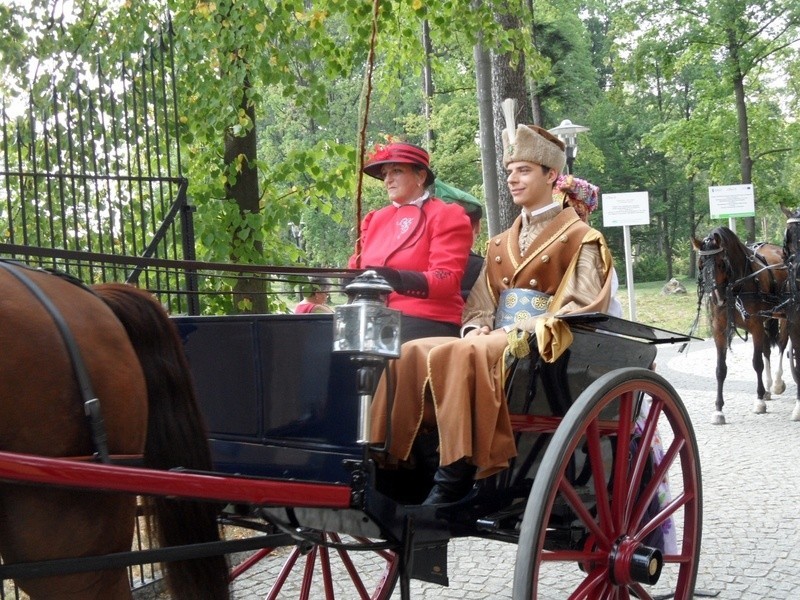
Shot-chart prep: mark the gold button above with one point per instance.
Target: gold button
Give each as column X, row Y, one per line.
column 505, row 280
column 533, row 283
column 563, row 239
column 545, row 258
column 497, row 242
column 497, row 259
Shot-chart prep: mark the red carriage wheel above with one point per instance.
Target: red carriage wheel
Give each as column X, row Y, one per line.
column 328, row 565
column 601, row 521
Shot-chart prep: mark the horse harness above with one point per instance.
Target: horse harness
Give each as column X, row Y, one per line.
column 733, row 299
column 792, row 263
column 91, row 404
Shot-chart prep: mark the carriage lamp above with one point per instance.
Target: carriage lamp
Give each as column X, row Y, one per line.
column 365, row 325
column 369, row 331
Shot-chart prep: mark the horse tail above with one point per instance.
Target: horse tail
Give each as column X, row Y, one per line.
column 176, row 437
column 772, row 328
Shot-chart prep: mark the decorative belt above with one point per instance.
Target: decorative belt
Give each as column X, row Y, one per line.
column 519, row 304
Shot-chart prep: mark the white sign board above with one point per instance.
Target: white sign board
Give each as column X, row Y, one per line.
column 632, row 208
column 731, row 201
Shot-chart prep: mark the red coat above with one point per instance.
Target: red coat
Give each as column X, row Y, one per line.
column 435, row 240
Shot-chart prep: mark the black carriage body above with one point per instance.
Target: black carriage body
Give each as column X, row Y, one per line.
column 277, row 402
column 280, row 404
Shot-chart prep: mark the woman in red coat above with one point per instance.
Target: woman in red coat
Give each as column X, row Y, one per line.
column 418, row 243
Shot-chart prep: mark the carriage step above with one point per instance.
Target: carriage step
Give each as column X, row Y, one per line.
column 495, row 522
column 430, row 564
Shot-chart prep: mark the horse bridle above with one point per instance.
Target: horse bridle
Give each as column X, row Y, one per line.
column 707, row 283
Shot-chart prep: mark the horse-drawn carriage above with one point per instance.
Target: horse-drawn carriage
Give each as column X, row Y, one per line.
column 599, row 435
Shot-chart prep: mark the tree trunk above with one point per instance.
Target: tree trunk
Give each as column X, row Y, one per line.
column 249, row 293
column 536, row 103
column 483, row 81
column 745, row 160
column 427, row 81
column 507, row 82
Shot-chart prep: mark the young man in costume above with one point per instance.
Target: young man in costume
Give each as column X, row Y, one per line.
column 548, row 262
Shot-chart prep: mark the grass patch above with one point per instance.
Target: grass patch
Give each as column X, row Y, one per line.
column 674, row 312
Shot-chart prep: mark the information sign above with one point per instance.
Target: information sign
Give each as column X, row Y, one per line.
column 731, row 201
column 631, row 208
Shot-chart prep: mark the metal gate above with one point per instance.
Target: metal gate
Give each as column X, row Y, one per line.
column 91, row 184
column 91, row 179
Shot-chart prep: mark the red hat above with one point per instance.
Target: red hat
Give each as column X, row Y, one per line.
column 398, row 152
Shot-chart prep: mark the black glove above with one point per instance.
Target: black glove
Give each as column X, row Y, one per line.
column 408, row 283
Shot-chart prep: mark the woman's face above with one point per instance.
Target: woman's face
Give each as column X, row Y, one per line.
column 403, row 182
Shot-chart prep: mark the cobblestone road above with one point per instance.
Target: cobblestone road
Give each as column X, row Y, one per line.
column 751, row 478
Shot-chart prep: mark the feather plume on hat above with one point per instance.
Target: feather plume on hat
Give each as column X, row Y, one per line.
column 509, row 107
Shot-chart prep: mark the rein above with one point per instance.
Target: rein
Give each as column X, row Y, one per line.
column 91, row 404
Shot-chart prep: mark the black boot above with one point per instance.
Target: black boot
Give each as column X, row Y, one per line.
column 426, row 451
column 451, row 483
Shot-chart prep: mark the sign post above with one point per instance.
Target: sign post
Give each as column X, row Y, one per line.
column 731, row 201
column 632, row 208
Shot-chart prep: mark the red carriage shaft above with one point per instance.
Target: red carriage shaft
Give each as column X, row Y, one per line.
column 28, row 468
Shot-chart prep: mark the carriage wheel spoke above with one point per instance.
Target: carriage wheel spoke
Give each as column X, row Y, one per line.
column 284, row 574
column 582, row 512
column 595, row 457
column 624, row 429
column 327, row 576
column 659, row 476
column 590, row 586
column 641, row 593
column 351, row 569
column 641, row 459
column 308, row 574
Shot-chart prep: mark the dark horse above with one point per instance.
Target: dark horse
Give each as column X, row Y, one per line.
column 743, row 286
column 791, row 247
column 135, row 365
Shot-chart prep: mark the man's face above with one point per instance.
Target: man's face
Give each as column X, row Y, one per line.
column 531, row 186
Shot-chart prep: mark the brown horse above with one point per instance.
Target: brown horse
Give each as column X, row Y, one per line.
column 133, row 360
column 744, row 287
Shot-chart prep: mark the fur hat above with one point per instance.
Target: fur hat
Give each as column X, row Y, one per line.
column 399, row 152
column 536, row 145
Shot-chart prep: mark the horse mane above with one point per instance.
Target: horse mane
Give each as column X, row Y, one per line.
column 738, row 253
column 176, row 436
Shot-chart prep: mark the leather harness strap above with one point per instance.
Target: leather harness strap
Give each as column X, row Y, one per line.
column 91, row 403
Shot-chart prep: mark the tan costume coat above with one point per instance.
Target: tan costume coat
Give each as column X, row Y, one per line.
column 463, row 377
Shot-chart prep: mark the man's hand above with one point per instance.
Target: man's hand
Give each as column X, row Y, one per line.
column 478, row 331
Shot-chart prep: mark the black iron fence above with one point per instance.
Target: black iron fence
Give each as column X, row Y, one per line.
column 91, row 180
